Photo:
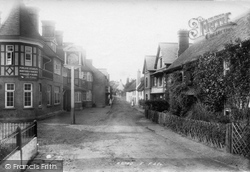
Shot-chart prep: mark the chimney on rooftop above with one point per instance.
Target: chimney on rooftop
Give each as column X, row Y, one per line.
column 183, row 41
column 59, row 37
column 48, row 28
column 0, row 18
column 34, row 16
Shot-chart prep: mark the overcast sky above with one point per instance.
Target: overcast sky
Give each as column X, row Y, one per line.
column 117, row 34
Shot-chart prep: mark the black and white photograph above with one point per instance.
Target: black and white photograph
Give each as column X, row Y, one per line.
column 124, row 86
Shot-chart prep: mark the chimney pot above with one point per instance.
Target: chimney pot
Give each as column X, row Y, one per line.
column 59, row 37
column 34, row 15
column 183, row 41
column 48, row 28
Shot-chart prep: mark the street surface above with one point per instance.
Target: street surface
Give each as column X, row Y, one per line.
column 122, row 139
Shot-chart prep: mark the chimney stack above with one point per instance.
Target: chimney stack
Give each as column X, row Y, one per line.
column 59, row 37
column 34, row 16
column 183, row 41
column 48, row 28
column 0, row 18
column 138, row 80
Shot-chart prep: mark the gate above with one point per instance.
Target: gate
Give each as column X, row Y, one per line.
column 240, row 139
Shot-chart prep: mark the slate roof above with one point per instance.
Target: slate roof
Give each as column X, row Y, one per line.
column 241, row 30
column 169, row 52
column 149, row 62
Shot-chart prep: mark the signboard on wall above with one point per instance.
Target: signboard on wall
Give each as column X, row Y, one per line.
column 28, row 73
column 210, row 27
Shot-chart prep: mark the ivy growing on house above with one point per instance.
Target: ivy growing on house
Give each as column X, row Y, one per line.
column 215, row 86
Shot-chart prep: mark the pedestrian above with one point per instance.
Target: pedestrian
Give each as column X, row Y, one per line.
column 110, row 102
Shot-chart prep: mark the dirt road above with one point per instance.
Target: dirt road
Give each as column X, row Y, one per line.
column 122, row 139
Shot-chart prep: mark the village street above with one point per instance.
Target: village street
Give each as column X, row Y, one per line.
column 122, row 139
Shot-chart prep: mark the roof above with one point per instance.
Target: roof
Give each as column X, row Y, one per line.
column 131, row 86
column 19, row 24
column 241, row 30
column 149, row 61
column 141, row 85
column 169, row 52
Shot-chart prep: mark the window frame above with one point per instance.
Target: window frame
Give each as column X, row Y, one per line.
column 9, row 91
column 78, row 97
column 57, row 95
column 49, row 95
column 11, row 52
column 28, row 62
column 226, row 67
column 40, row 95
column 31, row 95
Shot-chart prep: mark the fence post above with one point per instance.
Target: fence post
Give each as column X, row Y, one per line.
column 35, row 128
column 229, row 138
column 19, row 142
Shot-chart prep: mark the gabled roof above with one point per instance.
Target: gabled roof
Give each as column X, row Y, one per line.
column 148, row 65
column 140, row 87
column 131, row 86
column 241, row 30
column 168, row 52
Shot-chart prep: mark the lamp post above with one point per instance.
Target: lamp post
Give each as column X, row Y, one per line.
column 72, row 61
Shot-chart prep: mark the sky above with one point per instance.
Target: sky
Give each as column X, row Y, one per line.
column 117, row 34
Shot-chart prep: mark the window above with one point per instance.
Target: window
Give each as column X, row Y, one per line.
column 225, row 67
column 146, row 82
column 40, row 95
column 39, row 58
column 155, row 81
column 28, row 96
column 84, row 96
column 89, row 96
column 28, row 56
column 89, row 77
column 57, row 95
column 160, row 62
column 81, row 74
column 9, row 54
column 9, row 95
column 146, row 96
column 78, row 97
column 84, row 75
column 160, row 81
column 57, row 67
column 49, row 97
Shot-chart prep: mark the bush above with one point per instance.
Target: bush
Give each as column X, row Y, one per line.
column 157, row 105
column 201, row 112
column 181, row 104
column 142, row 103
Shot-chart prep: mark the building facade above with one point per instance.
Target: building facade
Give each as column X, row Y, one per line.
column 34, row 82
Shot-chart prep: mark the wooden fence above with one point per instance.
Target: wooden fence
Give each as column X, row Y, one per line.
column 232, row 137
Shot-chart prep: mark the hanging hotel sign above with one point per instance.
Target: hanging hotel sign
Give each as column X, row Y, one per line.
column 210, row 27
column 28, row 73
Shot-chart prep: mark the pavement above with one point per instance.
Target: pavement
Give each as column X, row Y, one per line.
column 122, row 139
